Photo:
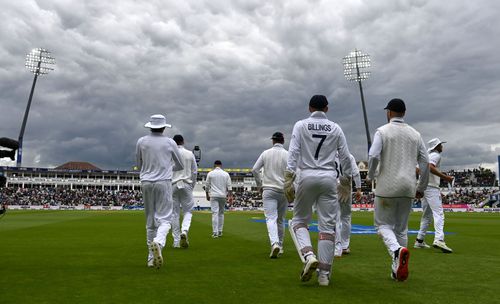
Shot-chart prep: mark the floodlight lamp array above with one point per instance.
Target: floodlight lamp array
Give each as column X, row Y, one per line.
column 39, row 61
column 356, row 65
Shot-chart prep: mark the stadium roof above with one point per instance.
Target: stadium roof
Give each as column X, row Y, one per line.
column 77, row 166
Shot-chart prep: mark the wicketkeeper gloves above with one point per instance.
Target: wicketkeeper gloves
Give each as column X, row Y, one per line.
column 288, row 186
column 344, row 189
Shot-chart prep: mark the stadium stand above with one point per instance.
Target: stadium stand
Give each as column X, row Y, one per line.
column 79, row 183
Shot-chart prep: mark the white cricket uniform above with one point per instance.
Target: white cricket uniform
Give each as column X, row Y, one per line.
column 218, row 183
column 343, row 228
column 313, row 148
column 396, row 149
column 273, row 162
column 157, row 157
column 431, row 203
column 183, row 184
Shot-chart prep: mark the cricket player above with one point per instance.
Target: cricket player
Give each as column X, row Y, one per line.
column 273, row 162
column 396, row 150
column 431, row 202
column 157, row 156
column 218, row 189
column 183, row 183
column 343, row 229
column 313, row 147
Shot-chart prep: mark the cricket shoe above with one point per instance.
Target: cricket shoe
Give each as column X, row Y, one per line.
column 275, row 250
column 346, row 251
column 215, row 235
column 338, row 252
column 309, row 268
column 176, row 245
column 157, row 258
column 400, row 264
column 323, row 279
column 150, row 262
column 281, row 251
column 184, row 240
column 219, row 234
column 442, row 245
column 393, row 276
column 420, row 245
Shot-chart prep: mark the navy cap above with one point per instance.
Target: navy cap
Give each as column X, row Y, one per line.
column 318, row 102
column 178, row 139
column 396, row 105
column 278, row 136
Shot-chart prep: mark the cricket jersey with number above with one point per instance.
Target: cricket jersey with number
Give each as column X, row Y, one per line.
column 315, row 143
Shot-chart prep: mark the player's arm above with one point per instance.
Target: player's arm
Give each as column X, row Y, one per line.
column 291, row 164
column 194, row 170
column 374, row 156
column 435, row 171
column 356, row 176
column 294, row 149
column 176, row 157
column 344, row 155
column 228, row 185
column 138, row 155
column 207, row 186
column 256, row 171
column 423, row 164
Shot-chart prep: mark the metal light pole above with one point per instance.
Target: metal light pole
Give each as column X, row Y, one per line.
column 355, row 69
column 39, row 62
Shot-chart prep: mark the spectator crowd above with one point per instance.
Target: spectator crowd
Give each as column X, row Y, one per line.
column 471, row 187
column 70, row 197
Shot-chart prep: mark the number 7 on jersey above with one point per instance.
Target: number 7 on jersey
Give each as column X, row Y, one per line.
column 323, row 137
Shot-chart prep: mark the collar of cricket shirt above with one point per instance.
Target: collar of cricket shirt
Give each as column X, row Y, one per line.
column 397, row 119
column 318, row 114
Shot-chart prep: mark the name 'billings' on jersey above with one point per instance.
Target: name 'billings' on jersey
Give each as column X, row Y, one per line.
column 314, row 144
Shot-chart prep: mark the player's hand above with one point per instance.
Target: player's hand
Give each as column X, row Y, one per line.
column 449, row 179
column 261, row 190
column 419, row 195
column 358, row 195
column 288, row 186
column 344, row 189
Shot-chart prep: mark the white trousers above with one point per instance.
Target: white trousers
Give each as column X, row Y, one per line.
column 217, row 205
column 157, row 197
column 343, row 226
column 432, row 208
column 275, row 204
column 391, row 220
column 320, row 188
column 182, row 199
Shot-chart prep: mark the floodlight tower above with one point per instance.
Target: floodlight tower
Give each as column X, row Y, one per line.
column 39, row 62
column 356, row 66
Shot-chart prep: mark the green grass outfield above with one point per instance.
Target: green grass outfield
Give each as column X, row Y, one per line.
column 100, row 257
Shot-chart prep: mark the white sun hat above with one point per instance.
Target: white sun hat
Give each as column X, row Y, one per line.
column 157, row 121
column 433, row 143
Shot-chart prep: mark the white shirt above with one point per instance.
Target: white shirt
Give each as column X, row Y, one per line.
column 356, row 176
column 315, row 143
column 435, row 159
column 157, row 156
column 273, row 161
column 218, row 183
column 188, row 174
column 376, row 151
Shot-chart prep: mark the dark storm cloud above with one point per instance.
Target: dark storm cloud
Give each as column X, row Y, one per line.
column 228, row 74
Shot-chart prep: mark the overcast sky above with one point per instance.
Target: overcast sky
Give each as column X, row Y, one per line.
column 227, row 74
